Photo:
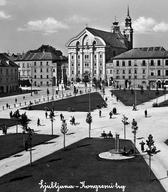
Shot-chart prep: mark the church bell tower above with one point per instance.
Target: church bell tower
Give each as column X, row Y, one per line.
column 128, row 30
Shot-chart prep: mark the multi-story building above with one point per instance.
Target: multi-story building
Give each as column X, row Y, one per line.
column 8, row 74
column 90, row 51
column 42, row 67
column 147, row 66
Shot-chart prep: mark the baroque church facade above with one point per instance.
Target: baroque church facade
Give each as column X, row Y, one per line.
column 92, row 49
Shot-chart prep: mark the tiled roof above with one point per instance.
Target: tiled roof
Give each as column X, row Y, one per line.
column 114, row 39
column 143, row 53
column 32, row 56
column 5, row 61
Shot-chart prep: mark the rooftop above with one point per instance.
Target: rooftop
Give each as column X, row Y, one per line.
column 144, row 53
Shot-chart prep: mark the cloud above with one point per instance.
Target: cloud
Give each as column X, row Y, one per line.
column 78, row 19
column 3, row 15
column 46, row 26
column 3, row 2
column 161, row 27
column 145, row 25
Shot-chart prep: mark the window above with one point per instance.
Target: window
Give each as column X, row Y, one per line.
column 118, row 63
column 129, row 71
column 100, row 71
column 117, row 77
column 129, row 63
column 41, row 83
column 47, row 76
column 94, row 71
column 152, row 73
column 34, row 63
column 135, row 71
column 100, row 55
column 123, row 71
column 111, row 71
column 123, row 77
column 72, row 64
column 41, row 70
column 47, row 63
column 117, row 71
column 47, row 70
column 158, row 62
column 143, row 71
column 34, row 76
column 166, row 62
column 78, row 56
column 135, row 77
column 158, row 72
column 41, row 63
column 35, row 70
column 166, row 72
column 143, row 77
column 143, row 63
column 27, row 65
column 72, row 56
column 129, row 77
column 23, row 65
column 72, row 72
column 123, row 63
column 152, row 62
column 41, row 76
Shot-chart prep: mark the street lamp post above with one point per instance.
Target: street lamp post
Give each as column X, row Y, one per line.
column 64, row 130
column 89, row 121
column 135, row 128
column 52, row 119
column 31, row 80
column 125, row 122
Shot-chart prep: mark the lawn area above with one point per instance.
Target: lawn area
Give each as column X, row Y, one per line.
column 80, row 163
column 8, row 122
column 17, row 93
column 78, row 103
column 127, row 96
column 163, row 104
column 13, row 143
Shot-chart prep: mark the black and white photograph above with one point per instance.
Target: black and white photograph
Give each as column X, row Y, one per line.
column 83, row 96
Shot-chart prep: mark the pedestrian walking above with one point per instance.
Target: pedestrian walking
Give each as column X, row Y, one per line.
column 110, row 114
column 46, row 114
column 100, row 112
column 142, row 146
column 117, row 99
column 145, row 113
column 61, row 117
column 38, row 122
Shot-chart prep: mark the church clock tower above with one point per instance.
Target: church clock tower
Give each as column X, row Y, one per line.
column 128, row 30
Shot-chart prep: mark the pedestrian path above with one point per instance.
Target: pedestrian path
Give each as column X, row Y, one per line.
column 155, row 124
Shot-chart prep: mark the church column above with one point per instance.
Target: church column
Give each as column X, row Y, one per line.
column 75, row 65
column 81, row 63
column 97, row 65
column 91, row 65
column 69, row 66
column 104, row 66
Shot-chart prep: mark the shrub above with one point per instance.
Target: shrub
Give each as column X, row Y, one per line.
column 155, row 105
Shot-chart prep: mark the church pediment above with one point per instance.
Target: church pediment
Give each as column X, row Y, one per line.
column 85, row 38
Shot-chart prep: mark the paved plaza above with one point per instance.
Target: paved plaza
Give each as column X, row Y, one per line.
column 155, row 124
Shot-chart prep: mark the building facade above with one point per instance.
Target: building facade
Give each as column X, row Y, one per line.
column 8, row 75
column 91, row 49
column 146, row 66
column 41, row 67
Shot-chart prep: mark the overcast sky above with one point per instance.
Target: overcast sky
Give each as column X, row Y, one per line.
column 27, row 24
